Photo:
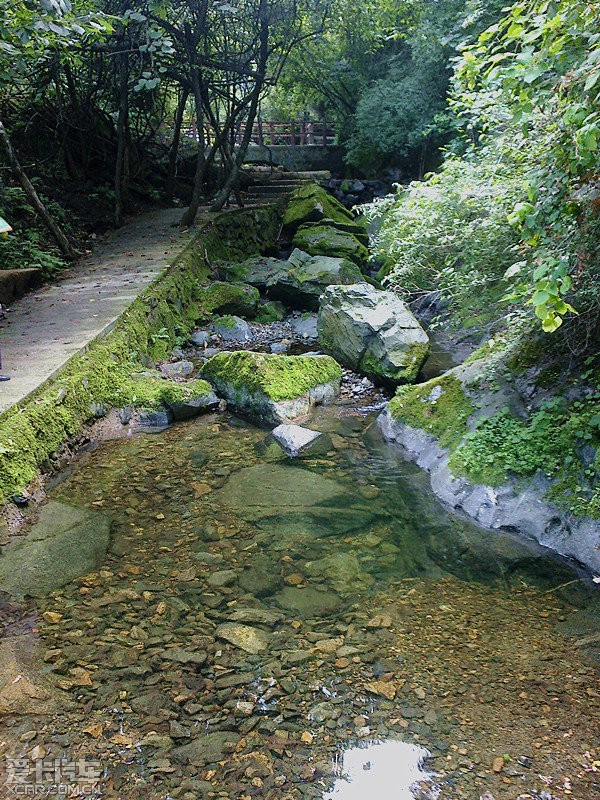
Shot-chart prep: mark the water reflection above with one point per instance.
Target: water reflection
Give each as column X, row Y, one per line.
column 390, row 770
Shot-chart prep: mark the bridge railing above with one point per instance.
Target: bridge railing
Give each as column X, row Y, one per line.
column 268, row 134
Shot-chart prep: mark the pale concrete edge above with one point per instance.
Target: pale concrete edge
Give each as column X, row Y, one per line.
column 110, row 326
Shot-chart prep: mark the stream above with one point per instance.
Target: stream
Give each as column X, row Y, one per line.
column 317, row 627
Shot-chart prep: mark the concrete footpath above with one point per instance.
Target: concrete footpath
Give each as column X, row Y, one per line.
column 46, row 328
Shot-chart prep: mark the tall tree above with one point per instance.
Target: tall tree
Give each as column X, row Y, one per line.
column 33, row 34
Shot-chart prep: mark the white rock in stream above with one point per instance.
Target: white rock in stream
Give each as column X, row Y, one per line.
column 294, row 438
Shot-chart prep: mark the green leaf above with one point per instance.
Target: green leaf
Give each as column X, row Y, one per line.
column 540, row 298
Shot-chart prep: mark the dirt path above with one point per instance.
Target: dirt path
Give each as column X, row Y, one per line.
column 47, row 327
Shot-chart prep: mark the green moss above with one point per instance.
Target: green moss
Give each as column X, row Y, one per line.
column 355, row 228
column 228, row 298
column 227, row 321
column 277, row 376
column 152, row 392
column 413, row 359
column 271, row 311
column 551, row 441
column 311, row 203
column 491, row 347
column 527, row 355
column 322, row 240
column 443, row 414
column 105, row 374
column 416, row 353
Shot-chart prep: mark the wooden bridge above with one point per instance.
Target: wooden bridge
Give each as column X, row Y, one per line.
column 276, row 134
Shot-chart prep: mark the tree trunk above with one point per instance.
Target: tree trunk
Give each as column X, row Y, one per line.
column 174, row 151
column 231, row 181
column 65, row 246
column 190, row 214
column 121, row 136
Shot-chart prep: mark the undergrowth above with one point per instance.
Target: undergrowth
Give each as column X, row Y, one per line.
column 561, row 440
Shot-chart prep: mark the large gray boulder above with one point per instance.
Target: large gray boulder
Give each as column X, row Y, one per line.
column 304, row 278
column 232, row 329
column 65, row 543
column 373, row 332
column 257, row 270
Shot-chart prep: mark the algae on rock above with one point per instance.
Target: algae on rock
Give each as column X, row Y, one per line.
column 323, row 240
column 439, row 406
column 275, row 388
column 312, row 203
column 221, row 297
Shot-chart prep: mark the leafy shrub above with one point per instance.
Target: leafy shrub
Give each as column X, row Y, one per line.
column 450, row 233
column 552, row 440
column 30, row 245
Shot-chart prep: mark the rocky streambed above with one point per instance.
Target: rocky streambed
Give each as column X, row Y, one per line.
column 217, row 609
column 254, row 616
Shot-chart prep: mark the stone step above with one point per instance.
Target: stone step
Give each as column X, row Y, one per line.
column 271, row 190
column 14, row 283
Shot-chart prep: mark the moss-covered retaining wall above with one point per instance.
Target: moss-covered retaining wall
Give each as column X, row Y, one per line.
column 107, row 373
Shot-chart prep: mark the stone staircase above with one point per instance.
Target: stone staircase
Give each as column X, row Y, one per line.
column 271, row 183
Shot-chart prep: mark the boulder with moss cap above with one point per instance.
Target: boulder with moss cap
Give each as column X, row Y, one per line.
column 306, row 277
column 221, row 297
column 311, row 203
column 373, row 332
column 273, row 388
column 325, row 240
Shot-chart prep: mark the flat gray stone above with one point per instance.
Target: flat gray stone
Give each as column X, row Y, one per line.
column 65, row 543
column 295, row 439
column 258, row 616
column 266, row 490
column 177, row 369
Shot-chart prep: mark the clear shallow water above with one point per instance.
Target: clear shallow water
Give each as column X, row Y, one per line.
column 255, row 614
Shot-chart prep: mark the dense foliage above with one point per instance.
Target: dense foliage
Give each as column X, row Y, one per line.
column 519, row 208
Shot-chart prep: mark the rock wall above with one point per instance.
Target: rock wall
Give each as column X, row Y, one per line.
column 300, row 158
column 520, row 509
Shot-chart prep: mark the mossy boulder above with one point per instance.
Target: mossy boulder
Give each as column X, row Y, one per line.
column 271, row 311
column 439, row 406
column 181, row 400
column 256, row 271
column 306, row 277
column 373, row 332
column 273, row 388
column 356, row 228
column 324, row 240
column 221, row 297
column 311, row 203
column 232, row 329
